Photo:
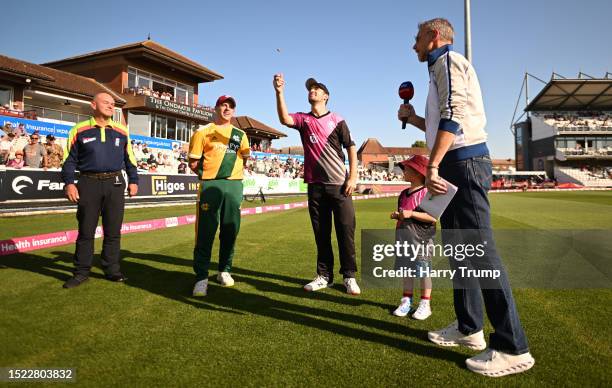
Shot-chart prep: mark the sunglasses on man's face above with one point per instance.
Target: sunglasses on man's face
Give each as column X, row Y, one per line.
column 34, row 138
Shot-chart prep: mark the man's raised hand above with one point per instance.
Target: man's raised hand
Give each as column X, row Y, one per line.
column 279, row 82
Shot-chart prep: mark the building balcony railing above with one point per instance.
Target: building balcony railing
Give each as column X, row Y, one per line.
column 166, row 96
column 168, row 105
column 583, row 129
column 573, row 153
column 24, row 114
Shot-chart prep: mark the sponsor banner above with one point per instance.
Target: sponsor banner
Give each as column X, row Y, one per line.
column 252, row 185
column 556, row 189
column 205, row 114
column 281, row 157
column 45, row 128
column 25, row 184
column 247, row 212
column 30, row 184
column 62, row 130
column 273, row 208
column 31, row 243
column 140, row 226
column 42, row 241
column 164, row 185
column 171, row 222
column 384, row 187
column 153, row 142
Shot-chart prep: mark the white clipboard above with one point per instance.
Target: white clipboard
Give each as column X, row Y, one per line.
column 435, row 205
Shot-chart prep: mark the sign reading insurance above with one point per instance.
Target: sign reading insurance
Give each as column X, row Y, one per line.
column 178, row 109
column 44, row 128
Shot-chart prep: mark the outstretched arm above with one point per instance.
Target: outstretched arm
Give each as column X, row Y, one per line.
column 281, row 107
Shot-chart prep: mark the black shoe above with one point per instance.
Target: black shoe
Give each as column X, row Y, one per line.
column 75, row 281
column 116, row 278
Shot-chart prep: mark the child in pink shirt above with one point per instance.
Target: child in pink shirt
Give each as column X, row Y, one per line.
column 418, row 228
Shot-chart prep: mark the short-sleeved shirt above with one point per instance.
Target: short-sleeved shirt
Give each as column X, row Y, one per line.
column 221, row 150
column 323, row 138
column 411, row 230
column 55, row 155
column 6, row 146
column 411, row 200
column 33, row 154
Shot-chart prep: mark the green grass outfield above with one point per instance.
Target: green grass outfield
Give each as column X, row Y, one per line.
column 266, row 331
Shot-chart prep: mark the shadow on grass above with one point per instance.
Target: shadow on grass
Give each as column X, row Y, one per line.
column 262, row 305
column 59, row 267
column 245, row 275
column 177, row 285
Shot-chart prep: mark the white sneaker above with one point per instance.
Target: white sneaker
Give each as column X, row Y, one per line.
column 225, row 279
column 404, row 308
column 351, row 286
column 494, row 363
column 317, row 284
column 451, row 336
column 200, row 288
column 423, row 311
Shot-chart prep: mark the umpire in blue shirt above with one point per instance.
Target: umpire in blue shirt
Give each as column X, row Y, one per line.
column 99, row 148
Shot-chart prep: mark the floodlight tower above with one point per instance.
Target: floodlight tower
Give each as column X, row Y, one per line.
column 468, row 31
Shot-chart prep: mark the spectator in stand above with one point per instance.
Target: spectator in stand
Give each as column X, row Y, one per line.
column 6, row 148
column 35, row 155
column 153, row 167
column 16, row 107
column 182, row 167
column 151, row 160
column 20, row 130
column 166, row 162
column 13, row 139
column 18, row 161
column 8, row 128
column 55, row 153
column 138, row 154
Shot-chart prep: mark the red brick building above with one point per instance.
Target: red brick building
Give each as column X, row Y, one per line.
column 372, row 152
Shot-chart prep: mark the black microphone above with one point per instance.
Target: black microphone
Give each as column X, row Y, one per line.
column 406, row 92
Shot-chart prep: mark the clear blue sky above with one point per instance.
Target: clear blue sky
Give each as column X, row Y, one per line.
column 360, row 49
